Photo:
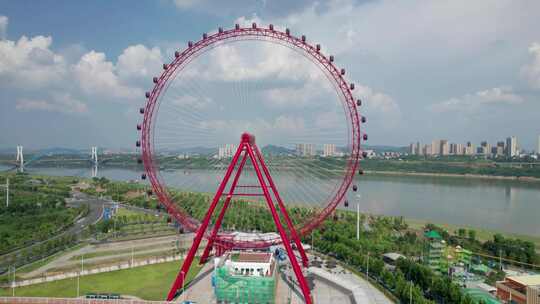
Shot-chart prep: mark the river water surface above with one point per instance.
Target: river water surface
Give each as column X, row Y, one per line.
column 502, row 205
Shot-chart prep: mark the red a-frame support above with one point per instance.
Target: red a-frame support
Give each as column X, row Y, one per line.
column 247, row 148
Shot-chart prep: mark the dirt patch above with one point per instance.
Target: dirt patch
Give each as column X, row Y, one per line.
column 133, row 194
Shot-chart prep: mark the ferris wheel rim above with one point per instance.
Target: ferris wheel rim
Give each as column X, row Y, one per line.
column 194, row 49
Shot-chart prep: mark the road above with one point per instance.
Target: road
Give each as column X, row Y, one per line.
column 94, row 215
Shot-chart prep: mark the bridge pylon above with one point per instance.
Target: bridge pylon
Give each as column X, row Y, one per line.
column 94, row 158
column 20, row 158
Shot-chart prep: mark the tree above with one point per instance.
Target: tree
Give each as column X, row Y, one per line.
column 472, row 235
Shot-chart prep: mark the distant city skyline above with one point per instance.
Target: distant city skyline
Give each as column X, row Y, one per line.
column 76, row 81
column 509, row 147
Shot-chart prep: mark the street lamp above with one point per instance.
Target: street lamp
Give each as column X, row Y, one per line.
column 358, row 216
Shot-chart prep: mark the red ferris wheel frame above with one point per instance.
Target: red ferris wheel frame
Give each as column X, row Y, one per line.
column 207, row 42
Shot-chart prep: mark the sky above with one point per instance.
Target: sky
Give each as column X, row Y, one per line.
column 73, row 73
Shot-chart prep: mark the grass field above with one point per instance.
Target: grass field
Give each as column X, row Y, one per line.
column 148, row 282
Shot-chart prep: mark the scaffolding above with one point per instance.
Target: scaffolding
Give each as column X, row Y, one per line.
column 240, row 289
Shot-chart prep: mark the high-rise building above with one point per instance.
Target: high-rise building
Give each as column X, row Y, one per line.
column 305, row 149
column 412, row 149
column 329, row 150
column 453, row 149
column 444, row 150
column 485, row 148
column 511, row 146
column 415, row 149
column 426, row 150
column 226, row 151
column 460, row 149
column 500, row 148
column 538, row 148
column 469, row 149
column 435, row 147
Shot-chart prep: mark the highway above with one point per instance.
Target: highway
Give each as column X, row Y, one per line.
column 77, row 199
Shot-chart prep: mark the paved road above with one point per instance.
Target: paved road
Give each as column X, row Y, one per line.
column 94, row 215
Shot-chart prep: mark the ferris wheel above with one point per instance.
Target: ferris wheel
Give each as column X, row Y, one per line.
column 252, row 112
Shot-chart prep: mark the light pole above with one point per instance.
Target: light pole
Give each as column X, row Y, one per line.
column 183, row 287
column 358, row 217
column 410, row 293
column 13, row 282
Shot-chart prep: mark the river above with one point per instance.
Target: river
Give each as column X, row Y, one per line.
column 500, row 205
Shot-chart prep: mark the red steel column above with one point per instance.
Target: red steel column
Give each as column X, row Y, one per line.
column 215, row 230
column 202, row 229
column 290, row 225
column 297, row 270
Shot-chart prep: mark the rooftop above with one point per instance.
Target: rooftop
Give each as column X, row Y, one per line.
column 433, row 235
column 527, row 280
column 251, row 257
column 394, row 256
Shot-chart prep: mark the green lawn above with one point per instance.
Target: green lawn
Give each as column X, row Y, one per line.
column 148, row 282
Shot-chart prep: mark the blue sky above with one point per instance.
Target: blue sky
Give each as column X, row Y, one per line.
column 72, row 73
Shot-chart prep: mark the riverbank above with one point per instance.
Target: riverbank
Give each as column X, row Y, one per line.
column 453, row 175
column 481, row 234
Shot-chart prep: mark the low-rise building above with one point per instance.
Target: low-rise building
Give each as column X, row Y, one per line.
column 520, row 289
column 245, row 277
column 434, row 250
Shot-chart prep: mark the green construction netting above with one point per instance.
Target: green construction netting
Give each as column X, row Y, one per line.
column 480, row 296
column 243, row 289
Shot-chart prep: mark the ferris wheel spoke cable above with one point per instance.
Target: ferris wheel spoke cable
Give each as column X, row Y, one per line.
column 301, row 191
column 185, row 124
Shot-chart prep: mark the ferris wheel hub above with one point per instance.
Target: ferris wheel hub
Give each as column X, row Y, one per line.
column 247, row 138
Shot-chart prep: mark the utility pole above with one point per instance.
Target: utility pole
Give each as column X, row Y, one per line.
column 131, row 255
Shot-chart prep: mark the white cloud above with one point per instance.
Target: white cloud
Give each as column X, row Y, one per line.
column 197, row 103
column 479, row 101
column 185, row 4
column 138, row 61
column 419, row 29
column 310, row 93
column 3, row 26
column 377, row 103
column 532, row 71
column 99, row 77
column 30, row 63
column 59, row 102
